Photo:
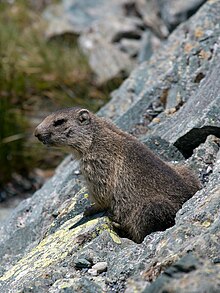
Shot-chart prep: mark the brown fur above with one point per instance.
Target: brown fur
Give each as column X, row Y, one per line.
column 139, row 190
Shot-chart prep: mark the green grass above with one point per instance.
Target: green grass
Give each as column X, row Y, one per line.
column 37, row 76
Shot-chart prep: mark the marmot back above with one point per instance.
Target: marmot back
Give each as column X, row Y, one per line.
column 140, row 192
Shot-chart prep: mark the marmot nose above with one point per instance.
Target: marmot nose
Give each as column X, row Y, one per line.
column 36, row 133
column 39, row 134
column 44, row 137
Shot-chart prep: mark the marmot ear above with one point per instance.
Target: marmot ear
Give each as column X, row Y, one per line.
column 84, row 117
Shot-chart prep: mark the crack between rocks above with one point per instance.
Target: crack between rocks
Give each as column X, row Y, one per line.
column 191, row 140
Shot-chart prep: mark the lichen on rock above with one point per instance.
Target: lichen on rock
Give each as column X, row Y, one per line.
column 56, row 246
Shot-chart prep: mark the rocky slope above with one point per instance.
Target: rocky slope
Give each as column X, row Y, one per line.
column 118, row 34
column 172, row 103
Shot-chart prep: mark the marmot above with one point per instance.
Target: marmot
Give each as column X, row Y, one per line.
column 140, row 192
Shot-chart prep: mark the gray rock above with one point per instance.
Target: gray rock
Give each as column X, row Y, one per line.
column 131, row 47
column 109, row 31
column 178, row 66
column 189, row 274
column 93, row 272
column 150, row 12
column 105, row 59
column 204, row 157
column 101, row 25
column 149, row 44
column 78, row 16
column 75, row 285
column 82, row 263
column 174, row 12
column 173, row 100
column 58, row 23
column 101, row 43
column 100, row 266
column 26, row 225
column 5, row 212
column 165, row 150
column 197, row 119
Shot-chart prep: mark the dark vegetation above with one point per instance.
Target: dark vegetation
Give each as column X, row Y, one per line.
column 37, row 76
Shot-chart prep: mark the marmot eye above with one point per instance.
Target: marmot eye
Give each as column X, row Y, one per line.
column 59, row 122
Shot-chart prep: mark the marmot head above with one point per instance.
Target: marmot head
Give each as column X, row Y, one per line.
column 70, row 128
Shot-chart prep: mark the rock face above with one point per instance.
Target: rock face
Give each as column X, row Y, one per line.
column 117, row 34
column 174, row 12
column 171, row 102
column 100, row 24
column 179, row 66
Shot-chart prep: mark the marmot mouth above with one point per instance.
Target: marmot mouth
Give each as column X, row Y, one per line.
column 46, row 142
column 45, row 139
